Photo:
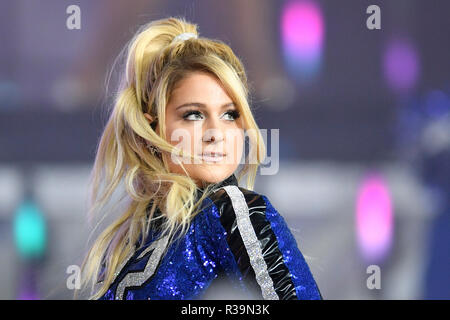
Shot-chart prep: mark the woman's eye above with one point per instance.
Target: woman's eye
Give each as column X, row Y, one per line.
column 232, row 115
column 193, row 115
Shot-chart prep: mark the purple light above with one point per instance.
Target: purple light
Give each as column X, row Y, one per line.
column 28, row 295
column 302, row 36
column 374, row 221
column 401, row 65
column 27, row 291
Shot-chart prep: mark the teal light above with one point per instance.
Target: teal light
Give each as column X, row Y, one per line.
column 29, row 230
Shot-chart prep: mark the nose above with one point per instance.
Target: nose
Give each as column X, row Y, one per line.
column 213, row 133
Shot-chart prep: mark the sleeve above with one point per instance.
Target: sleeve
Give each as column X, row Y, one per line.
column 264, row 248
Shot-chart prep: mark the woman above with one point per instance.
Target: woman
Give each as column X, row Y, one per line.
column 175, row 140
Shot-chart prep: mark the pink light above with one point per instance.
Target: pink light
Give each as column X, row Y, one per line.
column 302, row 35
column 374, row 221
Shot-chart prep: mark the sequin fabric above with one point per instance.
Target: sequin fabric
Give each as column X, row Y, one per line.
column 305, row 285
column 251, row 243
column 136, row 279
column 189, row 267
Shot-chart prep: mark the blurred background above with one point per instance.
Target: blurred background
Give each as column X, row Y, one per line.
column 361, row 99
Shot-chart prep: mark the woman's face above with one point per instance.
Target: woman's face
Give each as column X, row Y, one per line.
column 202, row 119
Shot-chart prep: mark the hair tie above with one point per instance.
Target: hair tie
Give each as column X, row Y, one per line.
column 184, row 36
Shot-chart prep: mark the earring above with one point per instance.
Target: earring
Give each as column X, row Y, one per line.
column 154, row 150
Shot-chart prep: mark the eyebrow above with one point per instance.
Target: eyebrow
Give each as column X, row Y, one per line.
column 202, row 105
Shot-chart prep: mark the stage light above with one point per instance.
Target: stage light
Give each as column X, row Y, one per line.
column 437, row 104
column 27, row 294
column 29, row 230
column 302, row 30
column 401, row 65
column 374, row 220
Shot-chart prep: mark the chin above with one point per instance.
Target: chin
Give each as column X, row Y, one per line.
column 213, row 174
column 207, row 173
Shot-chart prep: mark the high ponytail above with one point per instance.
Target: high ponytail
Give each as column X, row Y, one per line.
column 153, row 65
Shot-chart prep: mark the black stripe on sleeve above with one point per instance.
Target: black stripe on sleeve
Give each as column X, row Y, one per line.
column 277, row 269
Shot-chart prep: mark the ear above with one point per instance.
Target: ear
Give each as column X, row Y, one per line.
column 149, row 117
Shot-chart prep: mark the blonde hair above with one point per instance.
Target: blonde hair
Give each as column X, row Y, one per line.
column 154, row 64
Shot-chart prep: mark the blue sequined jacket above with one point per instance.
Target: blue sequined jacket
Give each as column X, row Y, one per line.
column 237, row 247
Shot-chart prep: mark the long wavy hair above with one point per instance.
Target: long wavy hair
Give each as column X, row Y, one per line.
column 152, row 66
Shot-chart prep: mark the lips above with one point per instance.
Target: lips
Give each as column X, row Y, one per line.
column 213, row 156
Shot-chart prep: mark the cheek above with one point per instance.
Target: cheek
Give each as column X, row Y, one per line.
column 180, row 136
column 235, row 147
column 240, row 148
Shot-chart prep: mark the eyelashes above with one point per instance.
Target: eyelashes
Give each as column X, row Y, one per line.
column 190, row 113
column 193, row 115
column 234, row 113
